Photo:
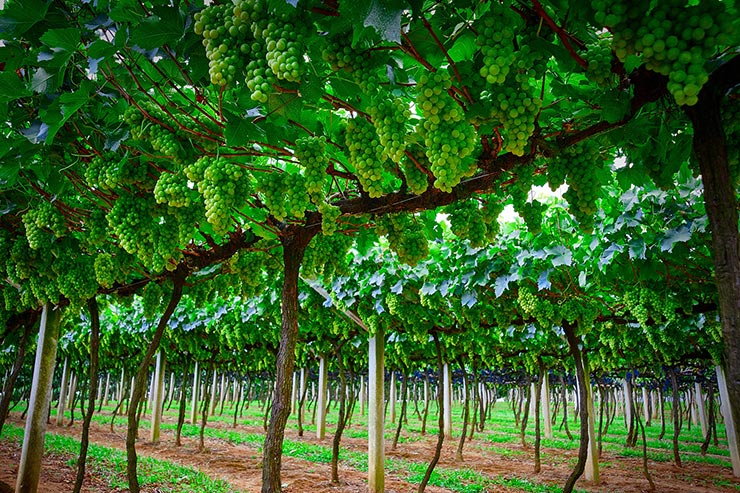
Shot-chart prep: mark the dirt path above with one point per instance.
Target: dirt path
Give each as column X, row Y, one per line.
column 240, row 465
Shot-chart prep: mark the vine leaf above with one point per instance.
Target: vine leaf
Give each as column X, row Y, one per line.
column 385, row 17
column 679, row 235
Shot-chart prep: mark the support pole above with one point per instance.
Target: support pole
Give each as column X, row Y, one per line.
column 321, row 401
column 545, row 405
column 375, row 418
column 730, row 425
column 29, row 469
column 196, row 388
column 447, row 382
column 63, row 392
column 157, row 394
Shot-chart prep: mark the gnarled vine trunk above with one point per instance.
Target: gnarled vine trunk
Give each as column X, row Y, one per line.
column 140, row 381
column 293, row 249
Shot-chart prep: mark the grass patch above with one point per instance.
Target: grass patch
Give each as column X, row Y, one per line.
column 110, row 464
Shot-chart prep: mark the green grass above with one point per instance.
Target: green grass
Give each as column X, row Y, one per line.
column 501, row 438
column 110, row 465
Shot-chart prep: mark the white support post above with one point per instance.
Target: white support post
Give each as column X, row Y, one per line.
column 63, row 393
column 699, row 395
column 362, row 395
column 545, row 406
column 321, row 400
column 645, row 406
column 157, row 393
column 106, row 395
column 375, row 418
column 29, row 469
column 730, row 425
column 392, row 397
column 447, row 400
column 592, row 457
column 196, row 388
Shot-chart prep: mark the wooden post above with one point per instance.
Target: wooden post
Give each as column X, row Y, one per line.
column 545, row 405
column 63, row 392
column 447, row 398
column 196, row 388
column 29, row 469
column 321, row 400
column 157, row 394
column 375, row 418
column 730, row 425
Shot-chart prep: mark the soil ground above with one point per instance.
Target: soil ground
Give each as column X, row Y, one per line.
column 240, row 465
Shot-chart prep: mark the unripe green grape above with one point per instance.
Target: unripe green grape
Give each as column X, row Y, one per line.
column 416, row 179
column 389, row 117
column 448, row 137
column 405, row 237
column 365, row 154
column 311, row 153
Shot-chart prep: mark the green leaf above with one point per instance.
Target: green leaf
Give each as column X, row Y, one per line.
column 19, row 16
column 62, row 39
column 681, row 234
column 464, row 47
column 385, row 17
column 12, row 87
column 165, row 27
column 44, row 82
column 615, row 105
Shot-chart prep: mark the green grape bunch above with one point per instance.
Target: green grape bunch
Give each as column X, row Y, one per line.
column 365, row 154
column 448, row 137
column 405, row 237
column 672, row 38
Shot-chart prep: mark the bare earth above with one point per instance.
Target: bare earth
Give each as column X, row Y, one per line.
column 240, row 466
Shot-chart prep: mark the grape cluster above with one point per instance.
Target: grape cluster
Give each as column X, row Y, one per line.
column 106, row 270
column 490, row 212
column 599, row 57
column 405, row 237
column 311, row 153
column 496, row 40
column 102, row 172
column 151, row 299
column 389, row 117
column 448, row 137
column 148, row 231
column 258, row 75
column 285, row 41
column 224, row 40
column 340, row 55
column 633, row 302
column 531, row 213
column 535, row 306
column 673, row 39
column 582, row 163
column 412, row 168
column 172, row 189
column 75, row 276
column 365, row 154
column 329, row 215
column 44, row 217
column 166, row 143
column 514, row 107
column 224, row 186
column 326, row 256
column 466, row 222
column 284, row 194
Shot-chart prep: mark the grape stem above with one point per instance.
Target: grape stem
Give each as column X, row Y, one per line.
column 429, row 28
column 564, row 36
